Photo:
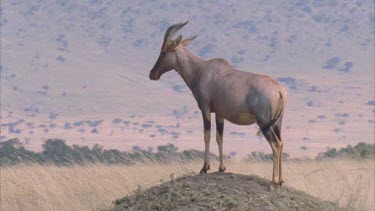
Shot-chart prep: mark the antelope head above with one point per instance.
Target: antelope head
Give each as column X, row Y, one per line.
column 167, row 58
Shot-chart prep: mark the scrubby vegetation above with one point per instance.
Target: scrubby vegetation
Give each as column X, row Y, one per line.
column 56, row 151
column 261, row 156
column 346, row 178
column 346, row 182
column 359, row 151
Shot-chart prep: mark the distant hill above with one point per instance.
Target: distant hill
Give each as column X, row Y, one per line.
column 77, row 56
column 67, row 64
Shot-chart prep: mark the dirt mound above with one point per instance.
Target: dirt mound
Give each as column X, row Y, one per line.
column 220, row 191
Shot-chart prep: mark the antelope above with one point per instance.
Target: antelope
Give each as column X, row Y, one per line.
column 239, row 97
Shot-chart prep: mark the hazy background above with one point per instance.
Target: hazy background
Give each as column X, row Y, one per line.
column 78, row 70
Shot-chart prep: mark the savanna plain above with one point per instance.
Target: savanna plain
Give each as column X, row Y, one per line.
column 346, row 182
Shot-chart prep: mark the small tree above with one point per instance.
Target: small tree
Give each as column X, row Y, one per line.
column 13, row 151
column 56, row 151
column 168, row 149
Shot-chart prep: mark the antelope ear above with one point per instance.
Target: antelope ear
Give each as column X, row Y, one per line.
column 176, row 42
column 187, row 41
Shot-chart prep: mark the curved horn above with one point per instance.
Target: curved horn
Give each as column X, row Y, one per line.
column 172, row 30
column 186, row 41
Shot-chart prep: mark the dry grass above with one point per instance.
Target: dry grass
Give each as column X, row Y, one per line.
column 33, row 187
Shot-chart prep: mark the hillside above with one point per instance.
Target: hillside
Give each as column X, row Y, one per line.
column 218, row 191
column 106, row 48
column 78, row 70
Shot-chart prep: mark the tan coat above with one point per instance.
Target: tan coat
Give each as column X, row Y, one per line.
column 239, row 97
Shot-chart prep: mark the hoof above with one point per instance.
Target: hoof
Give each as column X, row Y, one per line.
column 274, row 185
column 205, row 169
column 221, row 169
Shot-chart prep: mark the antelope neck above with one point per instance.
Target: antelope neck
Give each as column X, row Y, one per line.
column 188, row 66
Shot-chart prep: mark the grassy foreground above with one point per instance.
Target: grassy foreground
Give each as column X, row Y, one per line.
column 350, row 183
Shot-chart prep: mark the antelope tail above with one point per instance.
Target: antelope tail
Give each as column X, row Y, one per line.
column 276, row 118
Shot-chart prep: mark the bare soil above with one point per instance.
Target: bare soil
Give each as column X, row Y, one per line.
column 220, row 191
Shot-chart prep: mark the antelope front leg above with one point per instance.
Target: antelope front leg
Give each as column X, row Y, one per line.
column 207, row 134
column 219, row 140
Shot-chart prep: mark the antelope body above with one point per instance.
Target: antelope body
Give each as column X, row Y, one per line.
column 239, row 97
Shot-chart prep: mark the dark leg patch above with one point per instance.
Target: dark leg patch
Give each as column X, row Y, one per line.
column 206, row 124
column 219, row 127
